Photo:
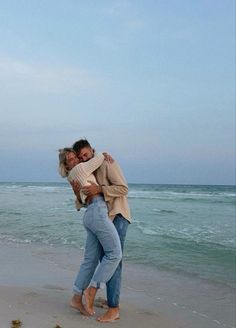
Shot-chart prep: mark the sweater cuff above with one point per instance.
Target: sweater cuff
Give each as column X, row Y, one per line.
column 106, row 196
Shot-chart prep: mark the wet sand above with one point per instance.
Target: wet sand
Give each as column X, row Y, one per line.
column 36, row 287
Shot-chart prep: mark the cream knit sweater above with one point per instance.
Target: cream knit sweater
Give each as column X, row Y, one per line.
column 83, row 173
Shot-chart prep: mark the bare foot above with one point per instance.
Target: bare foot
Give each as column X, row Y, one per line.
column 111, row 315
column 89, row 295
column 76, row 303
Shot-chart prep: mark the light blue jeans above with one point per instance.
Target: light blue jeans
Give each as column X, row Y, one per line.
column 100, row 231
column 114, row 284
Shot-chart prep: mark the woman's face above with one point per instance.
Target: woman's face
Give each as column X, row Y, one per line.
column 71, row 160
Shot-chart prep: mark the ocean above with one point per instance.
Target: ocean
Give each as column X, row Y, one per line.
column 185, row 229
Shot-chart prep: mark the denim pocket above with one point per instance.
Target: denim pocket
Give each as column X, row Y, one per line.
column 102, row 210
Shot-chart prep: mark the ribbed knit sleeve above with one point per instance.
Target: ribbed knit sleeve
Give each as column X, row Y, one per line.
column 83, row 170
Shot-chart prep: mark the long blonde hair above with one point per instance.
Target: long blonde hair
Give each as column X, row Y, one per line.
column 63, row 169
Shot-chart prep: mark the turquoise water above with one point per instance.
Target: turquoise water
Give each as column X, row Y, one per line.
column 185, row 229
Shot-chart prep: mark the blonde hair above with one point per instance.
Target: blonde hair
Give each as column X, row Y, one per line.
column 62, row 169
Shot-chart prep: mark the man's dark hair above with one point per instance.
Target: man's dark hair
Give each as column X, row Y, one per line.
column 78, row 145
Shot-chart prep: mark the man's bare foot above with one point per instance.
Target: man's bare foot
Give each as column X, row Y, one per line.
column 89, row 295
column 111, row 315
column 76, row 303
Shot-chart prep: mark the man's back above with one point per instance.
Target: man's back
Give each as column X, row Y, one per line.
column 115, row 188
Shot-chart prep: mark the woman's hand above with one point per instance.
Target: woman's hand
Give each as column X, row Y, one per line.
column 108, row 158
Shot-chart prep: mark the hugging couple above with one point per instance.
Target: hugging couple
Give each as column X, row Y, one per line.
column 100, row 187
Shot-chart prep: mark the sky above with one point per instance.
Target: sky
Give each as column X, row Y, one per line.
column 151, row 82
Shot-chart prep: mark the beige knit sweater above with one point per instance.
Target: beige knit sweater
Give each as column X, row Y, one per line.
column 83, row 173
column 115, row 189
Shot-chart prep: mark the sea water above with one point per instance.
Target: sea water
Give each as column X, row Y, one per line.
column 185, row 229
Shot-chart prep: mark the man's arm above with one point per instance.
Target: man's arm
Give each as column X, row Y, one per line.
column 118, row 185
column 88, row 166
column 92, row 190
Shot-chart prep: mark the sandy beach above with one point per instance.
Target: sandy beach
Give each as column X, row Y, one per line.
column 48, row 307
column 36, row 283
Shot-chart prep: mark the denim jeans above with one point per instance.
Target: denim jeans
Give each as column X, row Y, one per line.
column 101, row 232
column 114, row 284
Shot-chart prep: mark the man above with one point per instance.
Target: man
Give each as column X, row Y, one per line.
column 114, row 188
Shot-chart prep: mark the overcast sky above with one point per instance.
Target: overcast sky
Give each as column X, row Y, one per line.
column 152, row 82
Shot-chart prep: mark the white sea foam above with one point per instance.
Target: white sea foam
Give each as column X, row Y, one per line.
column 146, row 231
column 182, row 232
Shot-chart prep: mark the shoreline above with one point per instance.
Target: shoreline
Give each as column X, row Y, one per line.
column 47, row 308
column 36, row 287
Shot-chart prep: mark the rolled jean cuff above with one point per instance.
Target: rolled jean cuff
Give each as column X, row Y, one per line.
column 97, row 284
column 77, row 291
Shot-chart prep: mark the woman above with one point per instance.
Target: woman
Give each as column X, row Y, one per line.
column 99, row 229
